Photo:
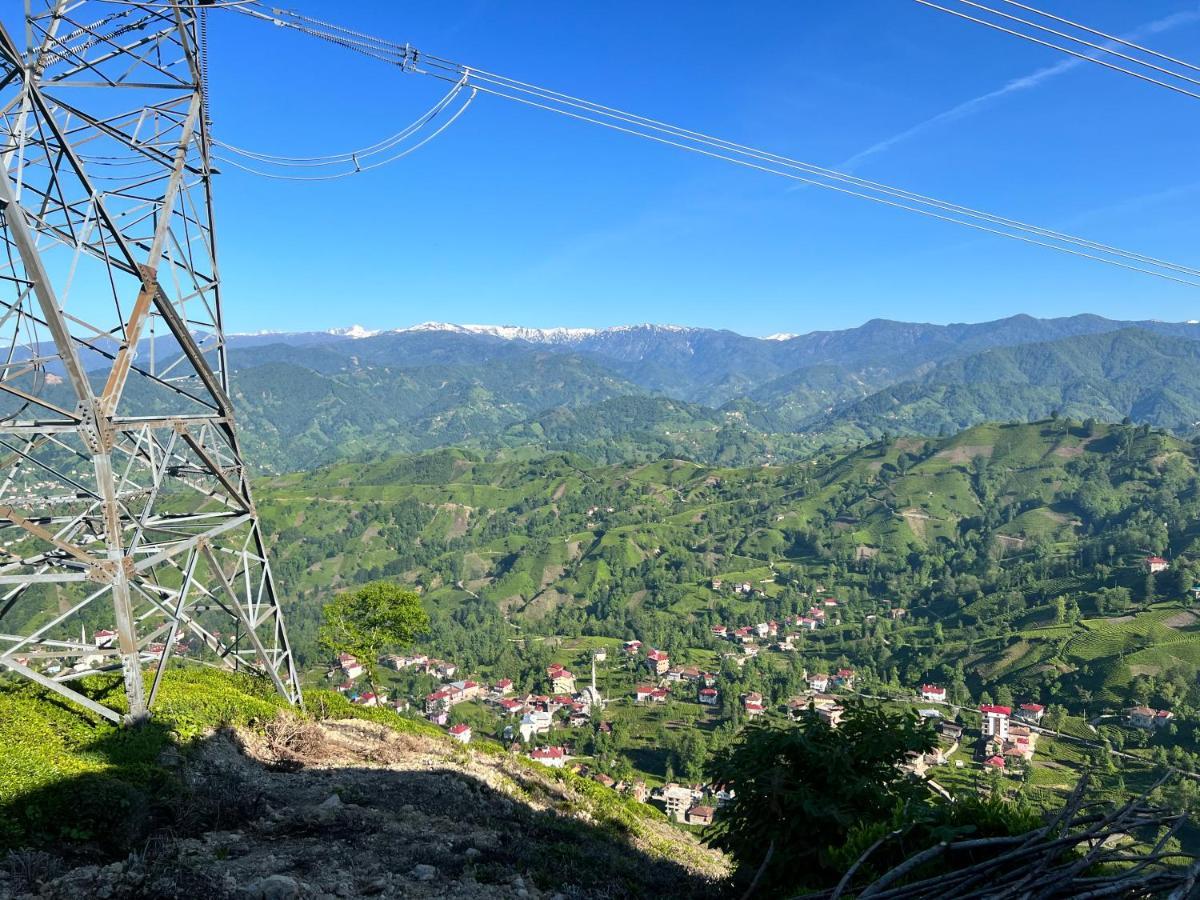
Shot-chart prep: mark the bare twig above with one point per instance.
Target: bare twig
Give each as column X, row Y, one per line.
column 762, row 870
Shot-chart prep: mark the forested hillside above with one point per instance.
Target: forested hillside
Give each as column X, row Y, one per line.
column 1123, row 374
column 629, row 394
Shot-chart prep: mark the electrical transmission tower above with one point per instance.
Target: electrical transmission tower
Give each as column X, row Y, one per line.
column 128, row 533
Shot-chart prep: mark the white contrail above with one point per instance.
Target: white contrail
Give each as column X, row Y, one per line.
column 1024, row 83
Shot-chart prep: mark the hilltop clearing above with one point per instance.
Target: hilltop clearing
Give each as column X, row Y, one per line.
column 287, row 806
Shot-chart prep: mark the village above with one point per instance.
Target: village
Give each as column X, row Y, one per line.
column 544, row 725
column 548, row 725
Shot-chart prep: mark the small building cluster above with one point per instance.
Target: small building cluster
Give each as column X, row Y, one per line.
column 692, row 805
column 1147, row 718
column 1003, row 743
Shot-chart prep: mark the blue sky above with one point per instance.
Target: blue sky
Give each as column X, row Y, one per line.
column 518, row 216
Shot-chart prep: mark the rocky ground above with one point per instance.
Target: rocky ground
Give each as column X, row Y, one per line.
column 354, row 809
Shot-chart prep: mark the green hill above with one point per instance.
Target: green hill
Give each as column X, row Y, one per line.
column 630, row 394
column 984, row 534
column 1128, row 373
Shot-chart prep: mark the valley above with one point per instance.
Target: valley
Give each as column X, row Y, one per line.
column 1005, row 563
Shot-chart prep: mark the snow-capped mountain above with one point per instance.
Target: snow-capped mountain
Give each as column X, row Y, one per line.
column 542, row 335
column 354, row 331
column 506, row 332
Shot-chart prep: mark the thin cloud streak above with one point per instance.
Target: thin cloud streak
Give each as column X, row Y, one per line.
column 1136, row 204
column 1024, row 83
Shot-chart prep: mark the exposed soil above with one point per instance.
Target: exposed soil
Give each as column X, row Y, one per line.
column 965, row 453
column 354, row 809
column 1181, row 619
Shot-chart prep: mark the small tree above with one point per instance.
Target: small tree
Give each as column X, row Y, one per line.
column 371, row 619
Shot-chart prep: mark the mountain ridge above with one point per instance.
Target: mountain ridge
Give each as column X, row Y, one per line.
column 436, row 384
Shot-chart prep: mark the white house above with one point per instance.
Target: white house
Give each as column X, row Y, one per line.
column 995, row 721
column 1031, row 712
column 554, row 757
column 105, row 639
column 933, row 693
column 534, row 723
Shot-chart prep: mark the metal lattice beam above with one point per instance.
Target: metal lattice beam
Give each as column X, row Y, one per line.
column 128, row 532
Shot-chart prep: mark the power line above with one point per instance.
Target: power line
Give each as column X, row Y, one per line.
column 1094, row 46
column 1078, row 54
column 409, row 59
column 1107, row 37
column 808, row 168
column 361, row 159
column 359, row 167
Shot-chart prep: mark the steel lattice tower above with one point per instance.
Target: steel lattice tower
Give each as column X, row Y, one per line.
column 128, row 533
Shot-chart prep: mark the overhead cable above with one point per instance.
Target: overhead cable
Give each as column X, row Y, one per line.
column 1108, row 37
column 411, row 60
column 367, row 163
column 1086, row 50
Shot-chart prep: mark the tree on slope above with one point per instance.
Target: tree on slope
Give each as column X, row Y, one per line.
column 801, row 789
column 374, row 618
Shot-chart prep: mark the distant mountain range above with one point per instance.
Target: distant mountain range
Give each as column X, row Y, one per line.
column 307, row 398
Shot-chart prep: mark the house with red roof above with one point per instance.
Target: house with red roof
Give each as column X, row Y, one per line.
column 995, row 721
column 105, row 639
column 1156, row 564
column 658, row 661
column 562, row 681
column 438, row 701
column 934, row 693
column 461, row 732
column 752, row 703
column 709, row 696
column 554, row 757
column 1030, row 712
